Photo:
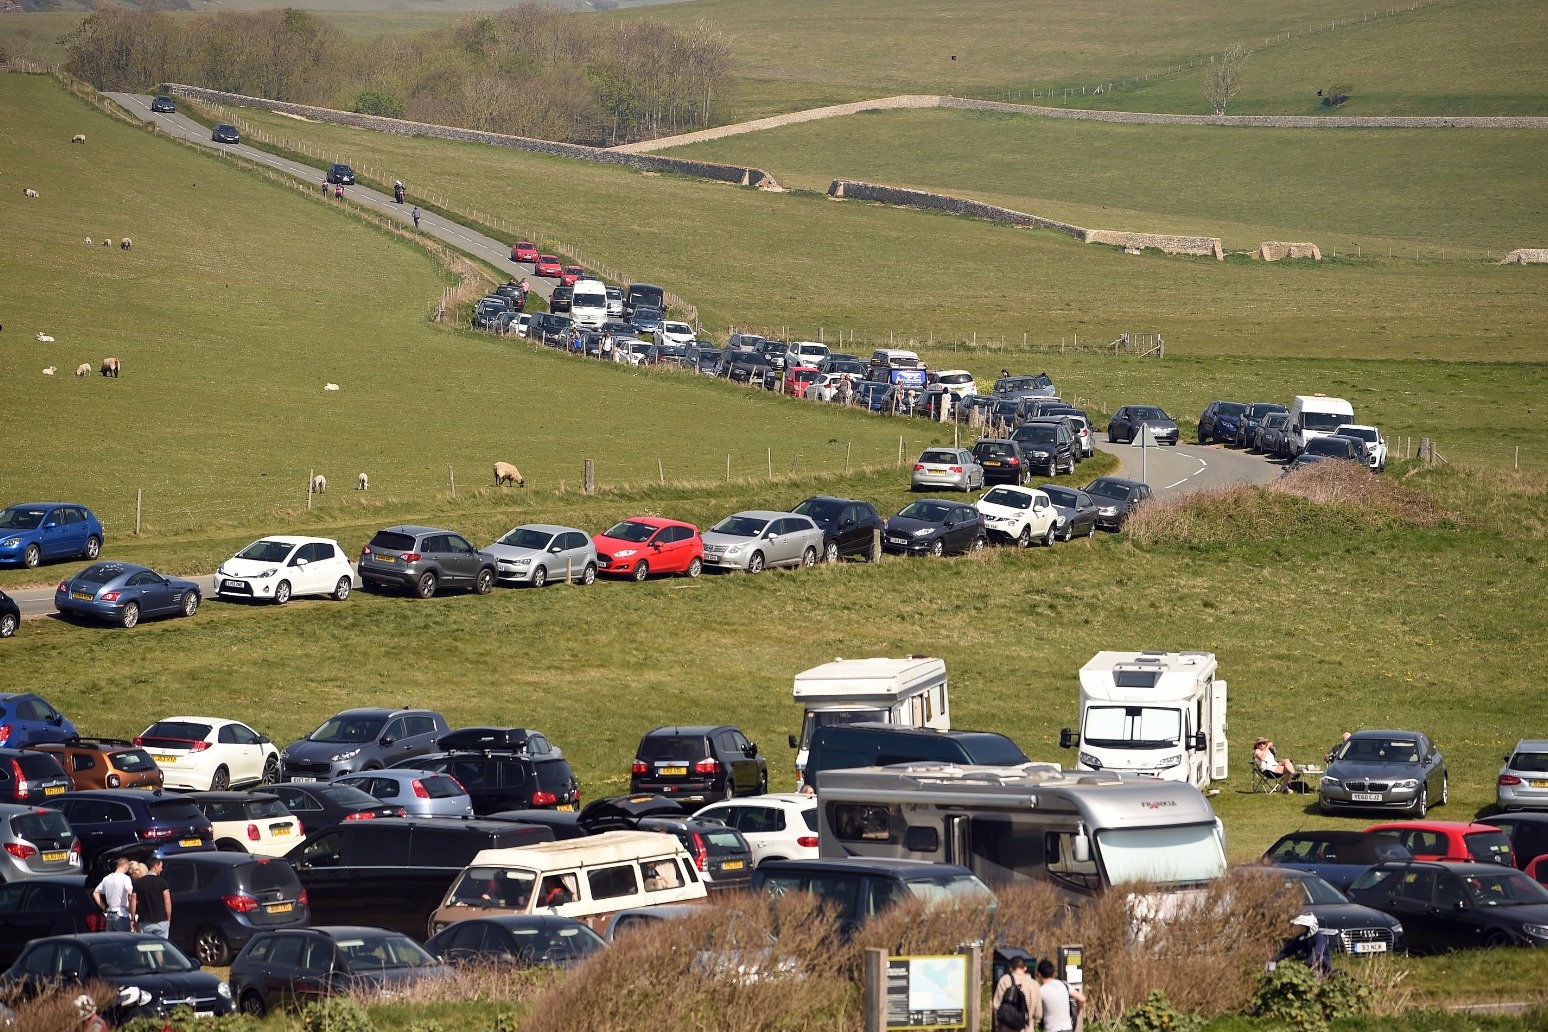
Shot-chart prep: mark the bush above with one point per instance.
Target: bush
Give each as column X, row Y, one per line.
column 375, row 102
column 1157, row 1014
column 183, row 1019
column 335, row 1014
column 1293, row 994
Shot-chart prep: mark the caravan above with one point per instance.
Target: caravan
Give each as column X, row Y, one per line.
column 911, row 692
column 1316, row 415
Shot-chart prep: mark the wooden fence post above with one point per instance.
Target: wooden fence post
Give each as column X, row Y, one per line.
column 590, row 482
column 309, row 482
column 139, row 496
column 661, row 472
column 452, row 473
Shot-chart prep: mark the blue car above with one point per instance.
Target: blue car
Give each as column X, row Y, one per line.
column 1221, row 421
column 27, row 720
column 647, row 319
column 35, row 531
column 106, row 818
column 122, row 593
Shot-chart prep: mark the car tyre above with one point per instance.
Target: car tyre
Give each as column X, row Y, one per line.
column 695, row 567
column 809, row 557
column 226, row 845
column 1069, row 532
column 190, row 603
column 251, row 1004
column 32, row 558
column 282, row 593
column 1422, row 804
column 212, row 949
column 220, row 780
column 763, row 783
column 729, row 792
column 1497, row 938
column 977, row 544
column 130, row 616
column 830, row 552
column 424, row 587
column 1091, row 530
column 641, row 571
column 1048, row 538
column 342, row 589
column 7, row 625
column 937, row 547
column 589, row 574
column 483, row 584
column 539, row 577
column 1024, row 539
column 93, row 548
column 271, row 771
column 1445, row 788
column 755, row 563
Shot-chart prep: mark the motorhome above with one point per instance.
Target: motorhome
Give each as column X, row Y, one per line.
column 1316, row 415
column 1083, row 832
column 912, row 692
column 1160, row 714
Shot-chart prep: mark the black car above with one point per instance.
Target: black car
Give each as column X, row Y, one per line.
column 704, row 359
column 514, row 294
column 516, row 940
column 489, row 312
column 1272, row 436
column 934, row 526
column 108, row 818
column 1338, row 857
column 424, row 560
column 560, row 300
column 555, row 331
column 1447, row 906
column 776, row 351
column 1048, row 442
column 857, row 888
column 1116, row 499
column 1351, row 927
column 1077, row 510
column 849, row 526
column 57, row 904
column 10, row 615
column 29, row 776
column 748, row 368
column 1221, row 421
column 1126, row 422
column 1003, row 461
column 303, row 965
column 700, row 763
column 504, row 768
column 1528, row 834
column 166, row 978
column 225, row 133
column 321, row 805
column 164, row 105
column 339, row 172
column 722, row 856
column 1334, row 446
column 1251, row 421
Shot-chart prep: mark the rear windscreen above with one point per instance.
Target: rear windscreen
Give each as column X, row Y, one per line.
column 442, row 788
column 673, row 747
column 554, row 775
column 46, row 825
column 268, row 876
column 176, row 810
column 1490, row 846
column 266, row 808
column 719, row 842
column 174, row 732
column 386, row 539
column 132, row 761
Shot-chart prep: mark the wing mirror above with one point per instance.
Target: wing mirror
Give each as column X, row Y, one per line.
column 298, row 562
column 555, row 550
column 1081, row 845
column 793, row 743
column 1198, row 743
column 386, row 740
column 1067, row 738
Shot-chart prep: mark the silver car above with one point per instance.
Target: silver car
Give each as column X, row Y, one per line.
column 947, row 467
column 1523, row 781
column 37, row 842
column 421, row 793
column 752, row 540
column 538, row 553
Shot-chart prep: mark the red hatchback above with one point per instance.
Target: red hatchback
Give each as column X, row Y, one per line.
column 799, row 378
column 570, row 274
column 1451, row 840
column 547, row 265
column 643, row 545
column 524, row 251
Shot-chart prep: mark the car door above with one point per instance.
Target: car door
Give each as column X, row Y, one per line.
column 963, row 529
column 301, row 569
column 278, row 970
column 735, row 760
column 247, row 754
column 1453, row 924
column 570, row 560
column 155, row 594
column 20, row 923
column 52, row 535
column 785, row 548
column 1411, row 897
column 43, row 722
column 419, row 733
column 72, row 523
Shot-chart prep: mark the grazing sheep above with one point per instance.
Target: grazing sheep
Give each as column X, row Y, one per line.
column 125, row 244
column 330, row 386
column 29, row 192
column 319, row 484
column 363, row 483
column 78, row 138
column 44, row 338
column 110, row 367
column 505, row 473
column 84, row 369
column 107, row 242
column 50, row 370
column 88, row 241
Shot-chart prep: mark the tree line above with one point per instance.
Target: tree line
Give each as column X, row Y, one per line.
column 531, row 70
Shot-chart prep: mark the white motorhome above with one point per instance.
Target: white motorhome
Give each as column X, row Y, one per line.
column 588, row 305
column 1160, row 714
column 911, row 692
column 1082, row 832
column 1316, row 415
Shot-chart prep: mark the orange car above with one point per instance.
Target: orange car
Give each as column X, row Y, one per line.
column 104, row 763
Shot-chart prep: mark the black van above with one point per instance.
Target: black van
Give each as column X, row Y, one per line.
column 641, row 295
column 872, row 744
column 859, row 888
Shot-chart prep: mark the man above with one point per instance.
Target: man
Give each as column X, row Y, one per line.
column 1019, row 978
column 153, row 901
column 415, row 213
column 1309, row 945
column 112, row 896
column 1058, row 999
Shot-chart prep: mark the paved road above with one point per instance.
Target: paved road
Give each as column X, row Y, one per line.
column 39, row 602
column 496, row 253
column 1190, row 467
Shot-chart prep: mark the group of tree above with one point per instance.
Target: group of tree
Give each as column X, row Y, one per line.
column 531, row 70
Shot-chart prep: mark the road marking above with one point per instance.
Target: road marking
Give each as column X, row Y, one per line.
column 1202, row 467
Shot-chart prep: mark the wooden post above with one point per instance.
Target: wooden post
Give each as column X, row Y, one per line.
column 139, row 496
column 728, row 467
column 874, row 1009
column 568, row 579
column 1427, row 451
column 876, row 548
column 1518, row 458
column 590, row 481
column 661, row 472
column 900, row 449
column 851, row 444
column 309, row 482
column 771, row 463
column 794, row 460
column 975, row 980
column 452, row 475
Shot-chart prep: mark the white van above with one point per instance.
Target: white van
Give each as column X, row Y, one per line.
column 1316, row 415
column 589, row 879
column 588, row 305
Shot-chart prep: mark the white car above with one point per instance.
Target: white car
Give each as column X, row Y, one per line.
column 1019, row 515
column 806, row 353
column 1375, row 444
column 777, row 826
column 825, row 387
column 675, row 333
column 614, row 303
column 200, row 754
column 277, row 569
column 634, row 352
column 257, row 823
column 958, row 381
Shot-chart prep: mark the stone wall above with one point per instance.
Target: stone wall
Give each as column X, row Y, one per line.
column 777, row 121
column 1527, row 256
column 1261, row 121
column 1274, row 250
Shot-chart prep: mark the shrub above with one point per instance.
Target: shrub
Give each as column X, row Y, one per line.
column 1293, row 994
column 1157, row 1014
column 335, row 1014
column 375, row 102
column 56, row 1011
column 183, row 1019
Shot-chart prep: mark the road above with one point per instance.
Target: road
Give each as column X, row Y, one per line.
column 1190, row 467
column 495, row 252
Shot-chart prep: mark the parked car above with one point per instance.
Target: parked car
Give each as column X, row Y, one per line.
column 672, row 331
column 220, row 900
column 341, row 173
column 1116, row 499
column 29, row 776
column 646, row 319
column 359, row 740
column 524, row 251
column 849, row 526
column 569, row 275
column 1273, row 435
column 53, row 904
column 1039, row 386
column 27, row 719
column 1221, row 421
column 505, row 768
column 279, row 568
column 935, row 526
column 870, row 395
column 424, row 559
column 249, row 822
column 1338, row 857
column 421, row 793
column 108, row 818
column 122, row 593
column 1018, row 515
column 704, row 359
column 295, row 967
column 1350, row 927
column 1447, row 906
column 164, row 976
column 10, row 615
column 516, row 940
column 1048, row 442
column 798, row 380
column 1384, row 770
column 547, row 265
column 777, row 826
column 1375, row 444
column 700, row 763
column 322, row 805
column 164, row 105
column 225, row 133
column 1078, row 511
column 1458, row 841
column 537, row 553
column 199, row 753
column 1002, row 460
column 957, row 381
column 643, row 545
column 615, row 302
column 104, row 763
column 1528, row 834
column 749, row 541
column 36, row 842
column 1333, row 446
column 560, row 301
column 1126, row 422
column 1300, row 462
column 33, row 532
column 806, row 353
column 857, row 888
column 721, row 855
column 947, row 467
column 1251, row 421
column 1523, row 781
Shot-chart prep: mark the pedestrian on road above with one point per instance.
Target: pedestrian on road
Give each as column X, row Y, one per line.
column 416, row 216
column 153, row 901
column 112, row 895
column 338, row 191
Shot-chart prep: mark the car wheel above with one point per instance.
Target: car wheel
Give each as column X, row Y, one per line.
column 729, row 792
column 251, row 1004
column 1024, row 539
column 1048, row 538
column 32, row 557
column 93, row 547
column 937, row 547
column 220, row 780
column 1497, row 938
column 483, row 584
column 589, row 574
column 809, row 557
column 424, row 587
column 1091, row 530
column 641, row 571
column 213, row 950
column 282, row 593
column 1445, row 789
column 539, row 577
column 342, row 589
column 130, row 615
column 755, row 563
column 830, row 553
column 1069, row 531
column 977, row 545
column 190, row 603
column 271, row 773
column 226, row 845
column 763, row 783
column 1112, row 438
column 695, row 567
column 1422, row 804
column 7, row 625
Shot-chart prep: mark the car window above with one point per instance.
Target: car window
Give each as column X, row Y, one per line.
column 612, row 882
column 244, row 735
column 227, row 735
column 46, row 898
column 1448, row 890
column 34, row 709
column 143, row 579
column 294, row 799
column 286, row 951
column 1417, row 884
column 41, row 961
column 1426, row 842
column 394, row 730
column 316, row 956
column 10, row 897
column 180, row 876
column 836, row 891
column 458, row 543
column 419, row 724
column 82, row 761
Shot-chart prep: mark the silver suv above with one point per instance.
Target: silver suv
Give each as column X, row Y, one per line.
column 423, row 559
column 361, row 739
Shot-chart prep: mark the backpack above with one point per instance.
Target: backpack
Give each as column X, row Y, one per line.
column 1012, row 1011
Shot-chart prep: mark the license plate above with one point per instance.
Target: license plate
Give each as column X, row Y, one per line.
column 84, row 596
column 190, row 843
column 1365, row 797
column 236, row 584
column 281, row 829
column 55, row 790
column 280, row 908
column 991, row 462
column 673, row 771
column 565, row 808
column 935, row 472
column 897, row 541
column 386, row 558
column 164, row 759
column 303, row 780
column 1538, row 783
column 732, row 865
column 55, row 855
column 1370, row 947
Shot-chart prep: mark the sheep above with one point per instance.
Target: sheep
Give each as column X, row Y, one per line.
column 110, row 367
column 88, row 241
column 319, row 484
column 50, row 370
column 44, row 338
column 363, row 483
column 84, row 369
column 330, row 386
column 78, row 138
column 505, row 473
column 125, row 244
column 107, row 242
column 29, row 192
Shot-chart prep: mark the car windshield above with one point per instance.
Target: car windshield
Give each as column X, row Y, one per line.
column 1037, row 433
column 1146, row 412
column 1504, row 889
column 177, row 810
column 1274, row 420
column 949, row 890
column 19, row 517
column 1358, row 433
column 628, row 530
column 1329, row 446
column 267, row 551
column 1230, row 408
column 1132, row 727
column 740, row 526
column 822, row 510
column 1008, row 498
column 927, row 512
column 1315, row 890
column 138, row 957
column 1159, row 856
column 1488, row 846
column 375, row 952
column 526, row 537
column 348, row 729
column 1062, row 496
column 836, row 718
column 1016, row 383
column 502, row 888
column 1324, row 421
column 1378, row 750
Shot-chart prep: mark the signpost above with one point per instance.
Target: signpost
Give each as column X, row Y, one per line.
column 1144, row 441
column 929, row 992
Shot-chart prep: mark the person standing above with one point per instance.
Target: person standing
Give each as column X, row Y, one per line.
column 1059, row 999
column 1016, row 982
column 153, row 901
column 112, row 895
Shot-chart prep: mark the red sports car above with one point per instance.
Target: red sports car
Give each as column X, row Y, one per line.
column 570, row 273
column 524, row 251
column 547, row 265
column 1450, row 840
column 643, row 545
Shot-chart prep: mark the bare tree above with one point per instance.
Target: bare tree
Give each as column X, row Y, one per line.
column 1223, row 78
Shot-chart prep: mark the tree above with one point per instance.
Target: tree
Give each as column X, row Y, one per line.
column 1223, row 78
column 376, row 102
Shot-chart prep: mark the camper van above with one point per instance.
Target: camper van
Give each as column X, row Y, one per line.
column 1082, row 832
column 1316, row 415
column 911, row 692
column 588, row 305
column 898, row 367
column 1160, row 714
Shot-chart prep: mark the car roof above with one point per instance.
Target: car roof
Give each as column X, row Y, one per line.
column 895, row 865
column 293, row 539
column 224, row 858
column 1531, row 745
column 795, row 799
column 214, row 722
column 1388, row 733
column 123, row 795
column 8, row 696
column 379, row 711
column 1462, row 827
column 414, row 529
column 1515, row 817
column 767, row 514
column 690, row 729
column 549, row 528
column 230, row 797
column 655, row 521
column 1017, row 488
column 41, row 505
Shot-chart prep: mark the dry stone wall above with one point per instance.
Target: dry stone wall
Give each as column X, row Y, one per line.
column 1527, row 256
column 1274, row 250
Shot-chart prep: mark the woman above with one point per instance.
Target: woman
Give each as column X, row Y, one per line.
column 1271, row 765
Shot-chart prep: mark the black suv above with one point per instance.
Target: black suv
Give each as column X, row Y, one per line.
column 341, row 173
column 423, row 559
column 560, row 301
column 1004, row 462
column 859, row 888
column 1048, row 443
column 28, row 776
column 107, row 818
column 702, row 763
column 849, row 526
column 504, row 768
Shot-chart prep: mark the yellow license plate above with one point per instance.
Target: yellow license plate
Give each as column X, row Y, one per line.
column 1539, row 783
column 731, row 865
column 565, row 808
column 189, row 843
column 935, row 472
column 281, row 829
column 991, row 462
column 165, row 759
column 386, row 558
column 55, row 790
column 280, row 908
column 55, row 855
column 674, row 771
column 84, row 596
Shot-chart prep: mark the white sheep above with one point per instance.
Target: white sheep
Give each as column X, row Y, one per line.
column 505, row 473
column 84, row 369
column 110, row 367
column 44, row 338
column 107, row 241
column 319, row 484
column 125, row 244
column 50, row 370
column 29, row 192
column 78, row 138
column 88, row 241
column 330, row 386
column 363, row 483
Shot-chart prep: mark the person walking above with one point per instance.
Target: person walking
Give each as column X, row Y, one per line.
column 153, row 901
column 112, row 896
column 415, row 214
column 1016, row 1005
column 1061, row 1001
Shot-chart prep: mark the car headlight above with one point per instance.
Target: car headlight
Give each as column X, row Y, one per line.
column 1173, row 760
column 1108, row 510
column 11, row 542
column 625, row 553
column 224, row 989
column 734, row 550
column 133, row 996
column 1040, row 454
column 349, row 754
column 525, row 560
column 271, row 571
column 1537, row 931
column 1406, row 784
column 1089, row 760
column 1060, row 520
column 924, row 532
column 1328, row 780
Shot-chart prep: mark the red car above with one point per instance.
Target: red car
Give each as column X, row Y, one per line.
column 569, row 274
column 643, row 545
column 546, row 265
column 1538, row 869
column 524, row 251
column 799, row 378
column 1451, row 840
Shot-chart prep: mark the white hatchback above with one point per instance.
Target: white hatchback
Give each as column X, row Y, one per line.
column 958, row 381
column 256, row 823
column 1018, row 515
column 200, row 754
column 276, row 569
column 778, row 825
column 1375, row 444
column 675, row 333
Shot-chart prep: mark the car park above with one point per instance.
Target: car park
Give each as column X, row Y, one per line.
column 954, row 468
column 27, row 719
column 504, row 768
column 152, row 975
column 424, row 560
column 30, row 776
column 122, row 593
column 10, row 615
column 854, row 889
column 849, row 526
column 1336, row 856
column 750, row 541
column 341, row 173
column 1273, row 435
column 698, row 763
column 1221, row 421
column 421, row 793
column 1002, row 461
column 105, row 819
column 104, row 763
column 936, row 527
column 1384, row 770
column 249, row 822
column 1125, row 425
column 1350, row 927
column 1116, row 499
column 1447, row 906
column 1522, row 782
column 225, row 133
column 1375, row 444
column 34, row 532
column 1251, row 421
column 1048, row 442
column 1528, row 834
column 362, row 739
column 322, row 805
column 1018, row 515
column 524, row 251
column 516, row 941
column 1077, row 511
column 164, row 105
column 1458, row 841
column 276, row 569
column 295, row 967
column 536, row 553
column 776, row 825
column 36, row 842
column 210, row 753
column 642, row 545
column 548, row 266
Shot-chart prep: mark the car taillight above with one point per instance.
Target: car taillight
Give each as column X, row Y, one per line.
column 240, row 904
column 253, row 834
column 410, row 557
column 113, row 781
column 64, row 585
column 1015, row 461
column 700, row 852
column 137, row 740
column 96, row 922
column 807, row 841
column 1509, row 779
column 75, row 853
column 22, row 788
column 363, row 815
column 110, row 596
column 155, row 833
column 544, row 798
column 300, row 829
column 639, row 767
column 21, row 850
column 301, row 899
column 956, row 469
column 419, row 789
column 402, row 811
column 365, row 553
column 5, row 733
column 918, row 467
column 709, row 766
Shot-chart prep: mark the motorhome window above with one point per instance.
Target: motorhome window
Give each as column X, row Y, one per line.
column 837, row 718
column 949, row 889
column 1004, row 850
column 921, row 840
column 917, row 709
column 1132, row 727
column 612, row 882
column 1136, row 678
column 1329, row 421
column 1059, row 852
column 861, row 822
column 1180, row 854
